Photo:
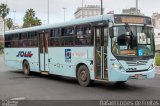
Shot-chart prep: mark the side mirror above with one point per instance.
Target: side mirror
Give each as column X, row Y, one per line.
column 111, row 32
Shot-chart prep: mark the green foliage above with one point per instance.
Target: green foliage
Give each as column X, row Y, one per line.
column 158, row 60
column 1, row 48
column 30, row 20
column 9, row 23
column 4, row 10
column 37, row 21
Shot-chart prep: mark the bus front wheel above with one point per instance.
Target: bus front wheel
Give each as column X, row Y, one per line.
column 83, row 76
column 26, row 68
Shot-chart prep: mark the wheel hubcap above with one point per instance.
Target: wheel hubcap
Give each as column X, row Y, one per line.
column 83, row 75
column 26, row 69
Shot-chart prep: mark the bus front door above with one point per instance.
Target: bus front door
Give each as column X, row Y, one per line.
column 43, row 52
column 100, row 45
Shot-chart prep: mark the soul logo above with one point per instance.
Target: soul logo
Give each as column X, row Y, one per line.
column 24, row 54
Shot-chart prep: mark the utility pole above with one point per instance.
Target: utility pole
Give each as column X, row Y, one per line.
column 82, row 8
column 137, row 7
column 64, row 13
column 14, row 23
column 48, row 11
column 101, row 7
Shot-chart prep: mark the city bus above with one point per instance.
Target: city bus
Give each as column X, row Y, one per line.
column 111, row 47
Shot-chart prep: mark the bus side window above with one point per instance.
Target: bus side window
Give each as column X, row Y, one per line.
column 32, row 39
column 20, row 41
column 7, row 41
column 55, row 37
column 50, row 37
column 83, row 35
column 24, row 39
column 67, row 36
column 14, row 40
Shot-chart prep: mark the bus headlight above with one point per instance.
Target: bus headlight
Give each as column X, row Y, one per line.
column 115, row 65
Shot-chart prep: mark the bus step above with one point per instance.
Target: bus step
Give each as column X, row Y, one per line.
column 44, row 72
column 104, row 80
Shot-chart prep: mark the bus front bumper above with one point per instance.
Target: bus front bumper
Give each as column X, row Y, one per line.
column 116, row 75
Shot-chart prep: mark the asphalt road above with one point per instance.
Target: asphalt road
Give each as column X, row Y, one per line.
column 13, row 84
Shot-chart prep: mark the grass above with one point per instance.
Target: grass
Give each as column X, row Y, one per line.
column 158, row 59
column 1, row 52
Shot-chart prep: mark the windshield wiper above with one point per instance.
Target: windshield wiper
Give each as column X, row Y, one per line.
column 144, row 28
column 128, row 28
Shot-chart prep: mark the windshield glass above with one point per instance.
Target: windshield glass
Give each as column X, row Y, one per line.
column 133, row 41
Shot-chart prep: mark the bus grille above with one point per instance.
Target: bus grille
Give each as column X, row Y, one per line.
column 137, row 63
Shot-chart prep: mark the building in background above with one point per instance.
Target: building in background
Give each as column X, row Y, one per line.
column 156, row 24
column 132, row 10
column 88, row 11
column 156, row 20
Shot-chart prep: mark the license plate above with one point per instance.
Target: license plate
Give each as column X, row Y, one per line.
column 139, row 76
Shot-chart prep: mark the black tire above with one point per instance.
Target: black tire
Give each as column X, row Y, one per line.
column 26, row 68
column 83, row 76
column 120, row 82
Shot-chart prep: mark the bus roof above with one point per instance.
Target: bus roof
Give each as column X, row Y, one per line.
column 69, row 23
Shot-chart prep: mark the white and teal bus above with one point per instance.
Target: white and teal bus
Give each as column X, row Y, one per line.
column 113, row 47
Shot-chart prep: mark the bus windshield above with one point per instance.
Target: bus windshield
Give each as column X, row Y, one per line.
column 130, row 40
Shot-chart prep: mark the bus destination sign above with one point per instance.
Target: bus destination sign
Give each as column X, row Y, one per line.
column 132, row 19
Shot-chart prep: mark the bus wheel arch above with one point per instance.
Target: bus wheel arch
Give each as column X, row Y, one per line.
column 26, row 67
column 83, row 75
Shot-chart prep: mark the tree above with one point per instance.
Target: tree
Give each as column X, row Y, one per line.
column 9, row 23
column 1, row 48
column 31, row 13
column 30, row 20
column 4, row 11
column 37, row 22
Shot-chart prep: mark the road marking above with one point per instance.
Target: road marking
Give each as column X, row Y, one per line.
column 20, row 98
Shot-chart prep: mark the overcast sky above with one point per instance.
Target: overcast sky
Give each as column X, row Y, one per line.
column 56, row 12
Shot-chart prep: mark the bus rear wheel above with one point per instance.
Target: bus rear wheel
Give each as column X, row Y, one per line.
column 26, row 68
column 83, row 76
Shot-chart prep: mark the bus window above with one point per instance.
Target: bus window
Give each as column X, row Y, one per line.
column 55, row 41
column 57, row 32
column 67, row 36
column 69, row 31
column 20, row 42
column 55, row 38
column 7, row 41
column 32, row 39
column 83, row 35
column 14, row 40
column 23, row 40
column 67, row 41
